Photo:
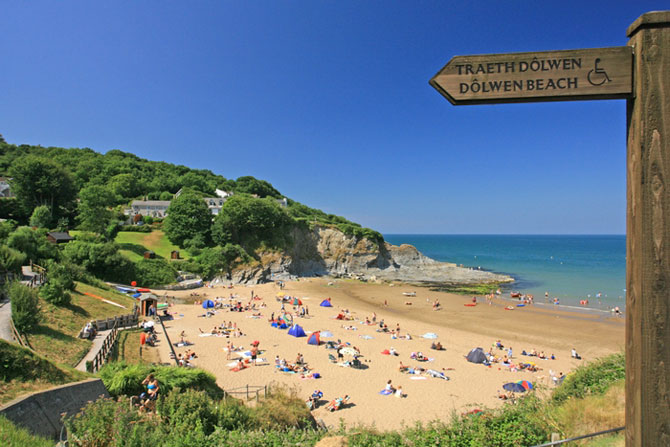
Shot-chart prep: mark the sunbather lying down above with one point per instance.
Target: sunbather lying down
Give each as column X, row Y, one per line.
column 337, row 403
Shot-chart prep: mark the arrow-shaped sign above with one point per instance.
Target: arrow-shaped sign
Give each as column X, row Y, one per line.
column 566, row 75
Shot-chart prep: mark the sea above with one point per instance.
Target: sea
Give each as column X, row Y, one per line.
column 571, row 268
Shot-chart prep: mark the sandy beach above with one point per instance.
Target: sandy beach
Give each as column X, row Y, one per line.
column 459, row 328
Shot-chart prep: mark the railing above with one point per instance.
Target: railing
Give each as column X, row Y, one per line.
column 167, row 338
column 17, row 335
column 590, row 435
column 252, row 391
column 106, row 348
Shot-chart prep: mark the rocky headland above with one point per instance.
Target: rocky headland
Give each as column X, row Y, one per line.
column 326, row 251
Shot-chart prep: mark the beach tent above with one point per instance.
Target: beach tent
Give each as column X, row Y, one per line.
column 207, row 304
column 514, row 387
column 477, row 355
column 297, row 331
column 297, row 302
column 326, row 303
column 314, row 339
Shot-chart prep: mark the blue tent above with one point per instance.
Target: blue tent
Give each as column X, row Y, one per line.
column 297, row 331
column 326, row 303
column 207, row 304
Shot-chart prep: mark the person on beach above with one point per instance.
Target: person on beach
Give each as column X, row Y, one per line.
column 389, row 387
column 398, row 392
column 254, row 355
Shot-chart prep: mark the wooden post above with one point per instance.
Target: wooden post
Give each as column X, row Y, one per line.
column 648, row 235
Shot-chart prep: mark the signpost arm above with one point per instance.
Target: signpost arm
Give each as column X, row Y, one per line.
column 648, row 235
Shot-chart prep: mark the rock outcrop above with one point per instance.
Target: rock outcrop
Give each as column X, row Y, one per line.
column 325, row 251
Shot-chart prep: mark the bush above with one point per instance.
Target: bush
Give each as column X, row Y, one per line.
column 136, row 228
column 592, row 378
column 188, row 411
column 25, row 307
column 282, row 409
column 53, row 292
column 41, row 217
column 154, row 272
column 122, row 379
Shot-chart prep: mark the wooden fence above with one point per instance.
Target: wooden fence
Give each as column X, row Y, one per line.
column 104, row 351
column 18, row 337
column 250, row 391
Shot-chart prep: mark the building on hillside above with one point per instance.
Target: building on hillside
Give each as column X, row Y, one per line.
column 5, row 187
column 58, row 237
column 153, row 208
column 214, row 204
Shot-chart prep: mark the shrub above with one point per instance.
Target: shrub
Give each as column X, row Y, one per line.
column 122, row 379
column 592, row 378
column 25, row 306
column 53, row 292
column 283, row 409
column 136, row 228
column 188, row 410
column 155, row 272
column 41, row 217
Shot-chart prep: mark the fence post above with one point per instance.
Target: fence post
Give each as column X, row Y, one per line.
column 247, row 391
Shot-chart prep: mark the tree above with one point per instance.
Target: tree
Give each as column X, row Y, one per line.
column 33, row 243
column 246, row 220
column 154, row 272
column 102, row 260
column 251, row 185
column 216, row 260
column 25, row 306
column 41, row 217
column 53, row 292
column 94, row 211
column 10, row 260
column 39, row 181
column 187, row 216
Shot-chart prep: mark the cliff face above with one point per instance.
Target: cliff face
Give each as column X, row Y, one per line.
column 327, row 251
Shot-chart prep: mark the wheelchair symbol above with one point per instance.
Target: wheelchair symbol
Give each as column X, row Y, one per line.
column 597, row 76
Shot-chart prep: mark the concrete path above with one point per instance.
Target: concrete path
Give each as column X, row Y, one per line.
column 5, row 317
column 97, row 344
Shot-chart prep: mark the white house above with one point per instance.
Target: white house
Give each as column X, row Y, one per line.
column 153, row 208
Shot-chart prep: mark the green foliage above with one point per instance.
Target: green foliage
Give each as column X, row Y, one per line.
column 247, row 221
column 10, row 260
column 6, row 228
column 53, row 292
column 592, row 378
column 154, row 272
column 94, row 208
column 213, row 261
column 13, row 436
column 283, row 408
column 10, row 208
column 188, row 411
column 25, row 307
column 33, row 243
column 122, row 379
column 251, row 185
column 187, row 217
column 42, row 181
column 102, row 260
column 136, row 228
column 41, row 217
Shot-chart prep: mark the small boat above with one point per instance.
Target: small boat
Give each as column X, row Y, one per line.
column 515, row 294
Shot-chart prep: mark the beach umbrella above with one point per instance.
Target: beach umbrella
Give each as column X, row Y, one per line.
column 297, row 302
column 514, row 387
column 526, row 384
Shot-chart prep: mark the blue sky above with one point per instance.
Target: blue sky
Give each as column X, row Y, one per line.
column 330, row 102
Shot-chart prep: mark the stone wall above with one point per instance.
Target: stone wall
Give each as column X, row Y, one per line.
column 41, row 412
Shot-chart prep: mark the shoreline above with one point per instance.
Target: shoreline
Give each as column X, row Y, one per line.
column 459, row 328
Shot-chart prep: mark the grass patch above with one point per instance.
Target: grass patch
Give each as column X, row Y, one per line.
column 133, row 245
column 23, row 371
column 56, row 336
column 13, row 436
column 128, row 349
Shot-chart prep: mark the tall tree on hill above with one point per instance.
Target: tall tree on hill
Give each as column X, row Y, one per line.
column 40, row 181
column 252, row 185
column 94, row 212
column 187, row 217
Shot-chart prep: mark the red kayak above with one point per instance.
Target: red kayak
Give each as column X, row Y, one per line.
column 144, row 290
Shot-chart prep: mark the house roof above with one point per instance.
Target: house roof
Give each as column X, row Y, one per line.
column 60, row 236
column 141, row 203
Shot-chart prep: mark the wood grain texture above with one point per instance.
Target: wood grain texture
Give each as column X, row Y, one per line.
column 648, row 236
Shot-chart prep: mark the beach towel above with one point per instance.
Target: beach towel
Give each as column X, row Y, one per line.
column 205, row 335
column 385, row 392
column 366, row 337
column 429, row 335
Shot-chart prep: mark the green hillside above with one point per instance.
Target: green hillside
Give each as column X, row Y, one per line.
column 133, row 245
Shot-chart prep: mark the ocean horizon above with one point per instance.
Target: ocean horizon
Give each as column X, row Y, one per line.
column 570, row 267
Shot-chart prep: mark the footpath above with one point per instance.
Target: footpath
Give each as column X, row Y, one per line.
column 5, row 318
column 95, row 347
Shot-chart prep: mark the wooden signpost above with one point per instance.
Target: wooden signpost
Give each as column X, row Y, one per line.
column 639, row 73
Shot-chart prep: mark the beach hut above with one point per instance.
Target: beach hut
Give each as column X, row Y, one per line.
column 297, row 331
column 147, row 302
column 326, row 303
column 207, row 304
column 477, row 355
column 314, row 339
